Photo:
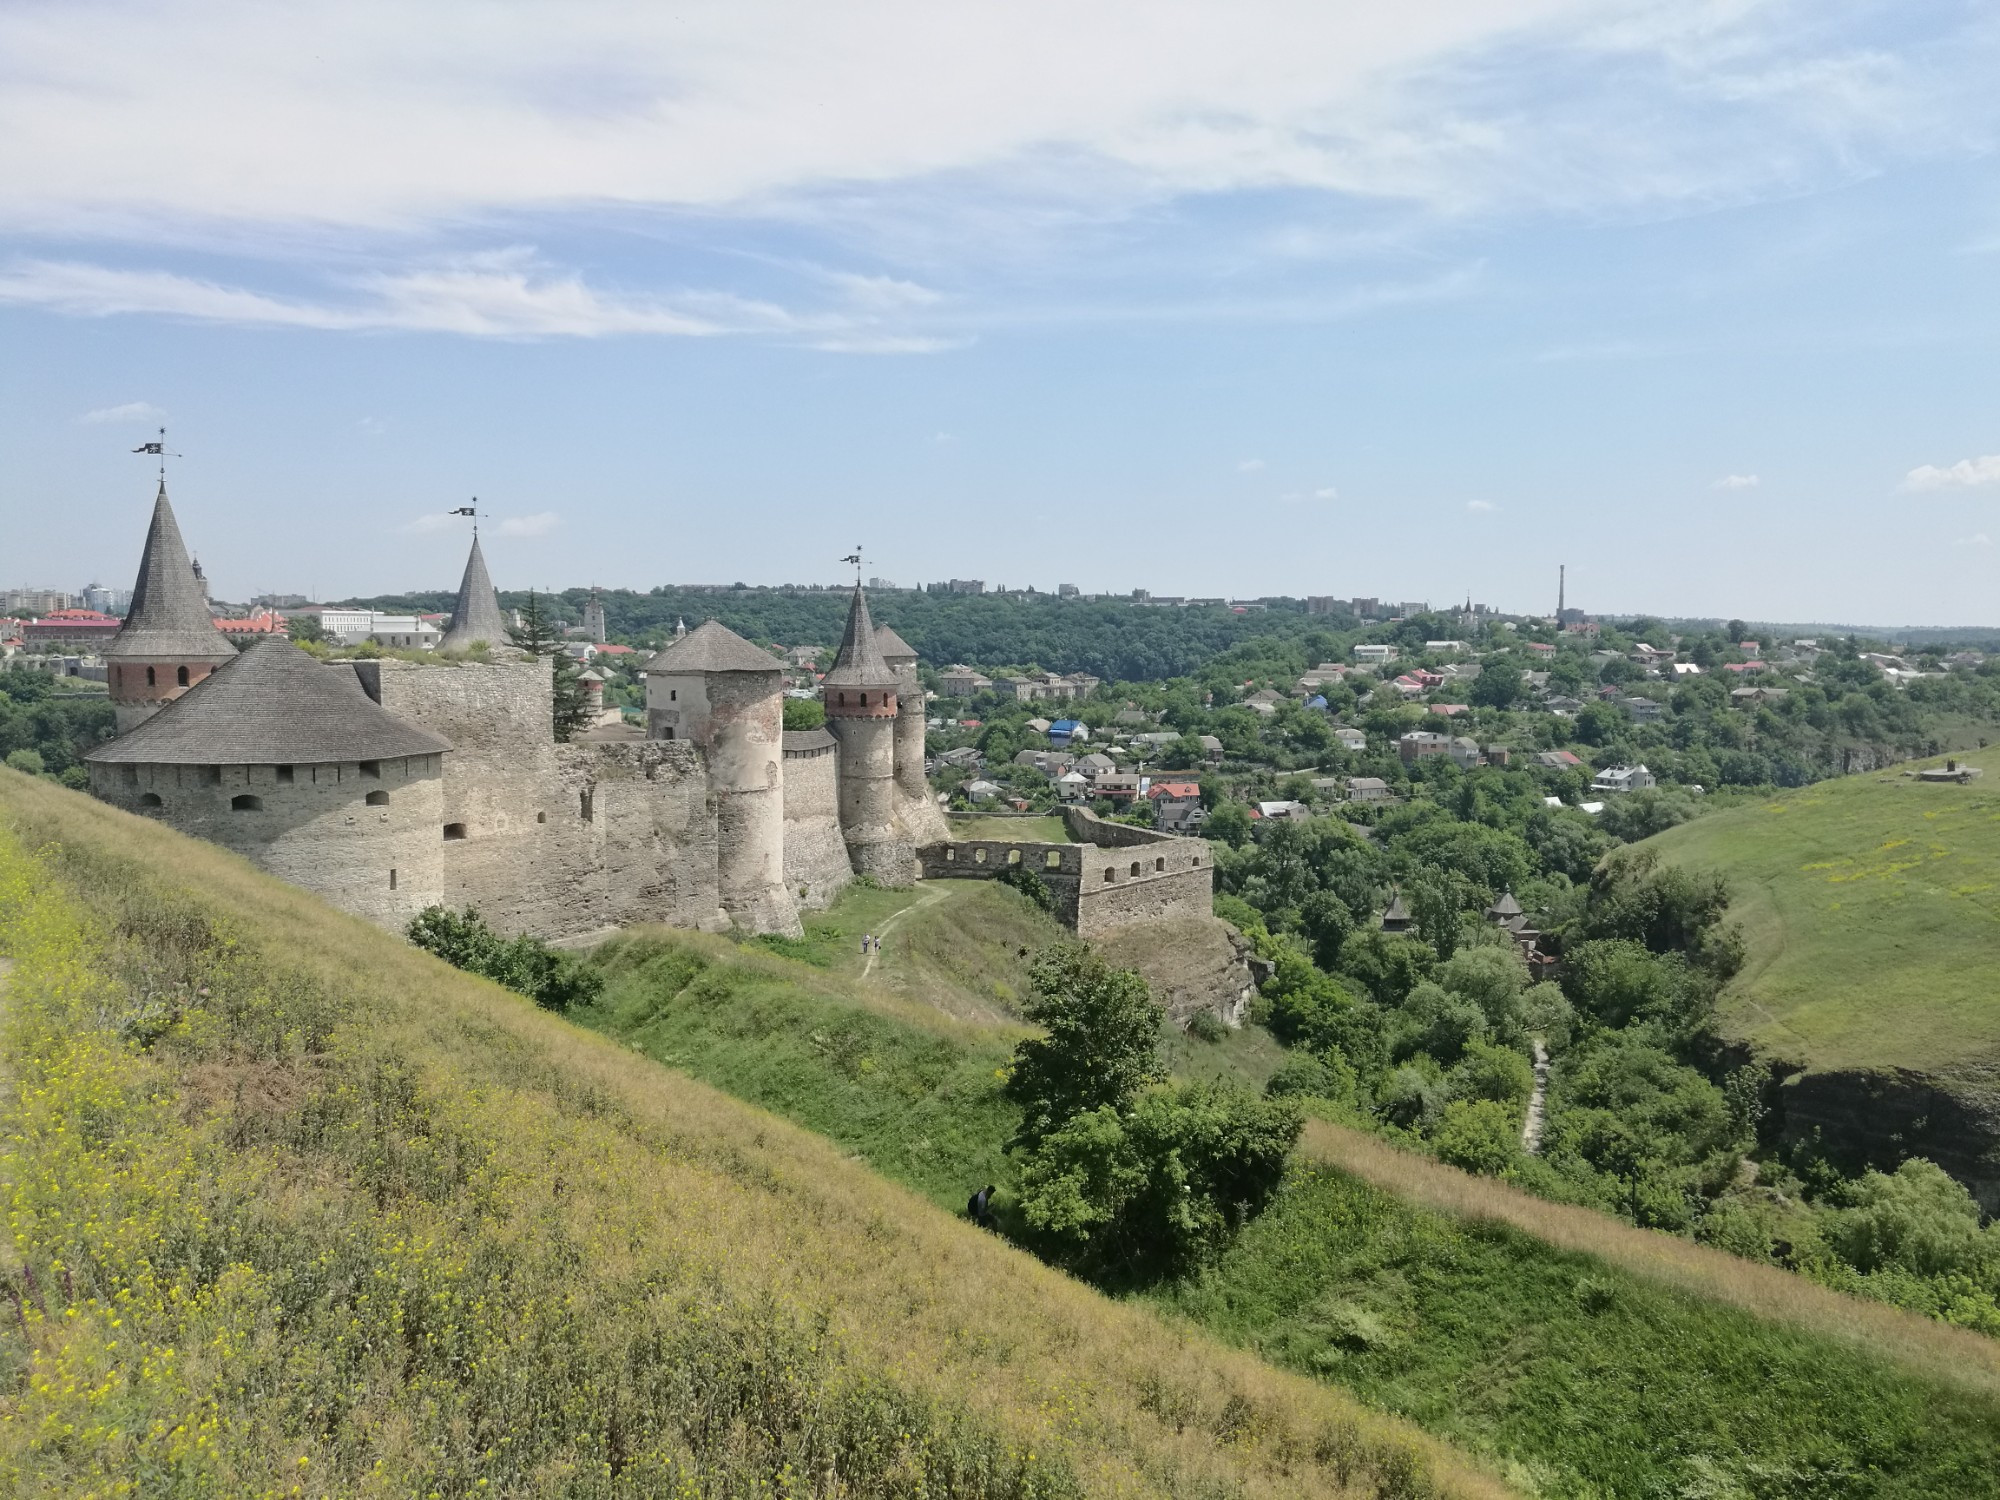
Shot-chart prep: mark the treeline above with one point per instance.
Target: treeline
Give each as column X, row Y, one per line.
column 44, row 732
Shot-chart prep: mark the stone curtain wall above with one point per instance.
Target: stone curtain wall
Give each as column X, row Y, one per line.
column 1170, row 883
column 644, row 846
column 318, row 830
column 816, row 866
column 1059, row 865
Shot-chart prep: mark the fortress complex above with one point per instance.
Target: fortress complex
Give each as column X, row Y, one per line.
column 387, row 786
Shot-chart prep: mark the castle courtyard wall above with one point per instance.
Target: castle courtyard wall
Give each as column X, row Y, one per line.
column 645, row 845
column 816, row 864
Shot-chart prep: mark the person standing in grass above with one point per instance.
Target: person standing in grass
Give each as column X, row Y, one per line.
column 979, row 1207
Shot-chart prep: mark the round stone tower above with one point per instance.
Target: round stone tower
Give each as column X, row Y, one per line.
column 860, row 694
column 916, row 808
column 713, row 687
column 169, row 641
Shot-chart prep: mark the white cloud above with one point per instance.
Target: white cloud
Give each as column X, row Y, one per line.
column 1249, row 465
column 506, row 294
column 392, row 116
column 539, row 524
column 1964, row 474
column 1481, row 507
column 1977, row 539
column 131, row 411
column 1737, row 482
column 1326, row 493
column 430, row 524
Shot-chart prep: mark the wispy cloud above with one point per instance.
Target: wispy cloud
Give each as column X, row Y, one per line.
column 1965, row 474
column 1481, row 507
column 1737, row 482
column 1249, row 465
column 1325, row 492
column 430, row 524
column 539, row 524
column 131, row 411
column 507, row 294
column 1977, row 539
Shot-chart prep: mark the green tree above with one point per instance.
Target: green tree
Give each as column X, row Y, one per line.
column 1228, row 824
column 1101, row 1046
column 27, row 762
column 1478, row 1135
column 1917, row 1219
column 537, row 636
column 526, row 965
column 303, row 628
column 804, row 713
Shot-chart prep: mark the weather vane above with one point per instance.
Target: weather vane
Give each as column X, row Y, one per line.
column 158, row 450
column 471, row 510
column 855, row 558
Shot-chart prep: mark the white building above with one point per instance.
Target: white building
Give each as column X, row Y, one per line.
column 1622, row 779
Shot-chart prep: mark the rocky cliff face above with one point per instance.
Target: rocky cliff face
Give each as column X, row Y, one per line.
column 1880, row 1118
column 1191, row 963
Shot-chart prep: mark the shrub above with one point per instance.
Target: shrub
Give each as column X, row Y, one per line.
column 1493, row 1073
column 1207, row 1026
column 1480, row 1135
column 1029, row 884
column 526, row 965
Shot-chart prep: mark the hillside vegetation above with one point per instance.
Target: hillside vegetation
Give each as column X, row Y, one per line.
column 1871, row 910
column 296, row 1209
column 1587, row 1357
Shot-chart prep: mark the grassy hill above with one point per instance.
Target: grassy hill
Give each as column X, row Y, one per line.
column 1583, row 1357
column 1871, row 905
column 295, row 1209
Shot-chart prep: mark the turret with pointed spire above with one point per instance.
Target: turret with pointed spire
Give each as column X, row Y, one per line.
column 860, row 696
column 169, row 641
column 476, row 616
column 916, row 809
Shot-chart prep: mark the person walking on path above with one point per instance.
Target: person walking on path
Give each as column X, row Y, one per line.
column 979, row 1207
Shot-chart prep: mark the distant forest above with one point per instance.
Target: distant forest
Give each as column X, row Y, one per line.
column 1112, row 639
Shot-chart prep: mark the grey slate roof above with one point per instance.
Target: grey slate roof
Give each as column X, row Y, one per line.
column 272, row 706
column 1506, row 906
column 476, row 616
column 859, row 662
column 895, row 650
column 799, row 741
column 713, row 647
column 169, row 618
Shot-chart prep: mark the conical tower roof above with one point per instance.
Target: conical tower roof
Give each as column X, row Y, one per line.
column 713, row 647
column 895, row 650
column 476, row 616
column 859, row 662
column 1506, row 906
column 169, row 618
column 271, row 706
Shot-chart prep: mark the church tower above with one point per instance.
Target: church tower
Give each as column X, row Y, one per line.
column 593, row 617
column 477, row 615
column 169, row 641
column 860, row 694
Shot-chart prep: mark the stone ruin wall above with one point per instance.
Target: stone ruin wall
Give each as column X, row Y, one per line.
column 380, row 861
column 816, row 865
column 1059, row 865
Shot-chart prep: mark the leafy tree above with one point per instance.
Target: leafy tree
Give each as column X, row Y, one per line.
column 1432, row 1020
column 303, row 628
column 1101, row 1047
column 1128, row 1196
column 1228, row 824
column 1497, row 1073
column 537, row 636
column 1547, row 1013
column 1917, row 1219
column 27, row 762
column 1478, row 1135
column 1386, row 964
column 804, row 713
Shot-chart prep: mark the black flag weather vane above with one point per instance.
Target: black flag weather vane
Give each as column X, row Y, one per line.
column 158, row 450
column 471, row 510
column 855, row 558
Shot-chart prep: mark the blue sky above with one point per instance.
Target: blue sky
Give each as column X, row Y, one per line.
column 1411, row 301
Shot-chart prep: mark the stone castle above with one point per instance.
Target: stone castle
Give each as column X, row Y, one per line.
column 389, row 785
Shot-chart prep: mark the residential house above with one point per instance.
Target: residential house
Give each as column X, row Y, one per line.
column 1096, row 764
column 1622, row 779
column 1462, row 671
column 1444, row 648
column 1686, row 669
column 1325, row 673
column 1177, row 806
column 1073, row 786
column 965, row 758
column 808, row 656
column 1068, row 731
column 1117, row 786
column 1367, row 789
column 1562, row 703
column 83, row 629
column 1040, row 726
column 1758, row 694
column 1643, row 710
column 1498, row 755
column 1211, row 747
column 1351, row 740
column 1281, row 812
column 1264, row 701
column 1420, row 744
column 1541, row 650
column 983, row 791
column 962, row 682
column 1408, row 686
column 1557, row 760
column 1450, row 710
column 1372, row 655
column 1588, row 629
column 1464, row 752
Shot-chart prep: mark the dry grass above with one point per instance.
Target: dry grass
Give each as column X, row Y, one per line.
column 659, row 1183
column 1965, row 1360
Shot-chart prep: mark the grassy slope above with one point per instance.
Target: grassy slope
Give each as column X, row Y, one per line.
column 352, row 1206
column 1872, row 909
column 1561, row 1343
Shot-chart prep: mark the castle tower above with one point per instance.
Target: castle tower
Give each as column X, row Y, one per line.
column 476, row 616
column 713, row 687
column 916, row 809
column 860, row 695
column 169, row 641
column 593, row 618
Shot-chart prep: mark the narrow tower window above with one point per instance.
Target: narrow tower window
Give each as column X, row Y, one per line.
column 152, row 679
column 181, row 676
column 583, row 805
column 392, row 878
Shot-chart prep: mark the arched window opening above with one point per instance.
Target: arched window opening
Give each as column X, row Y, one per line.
column 151, row 799
column 377, row 799
column 1135, row 867
column 1109, row 874
column 583, row 804
column 1052, row 860
column 454, row 831
column 541, row 817
column 244, row 802
column 864, row 700
column 979, row 856
column 1013, row 856
column 181, row 676
column 1159, row 864
column 152, row 678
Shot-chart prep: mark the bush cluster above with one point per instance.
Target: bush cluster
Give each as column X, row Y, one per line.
column 526, row 965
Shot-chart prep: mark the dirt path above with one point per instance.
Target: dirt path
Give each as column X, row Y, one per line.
column 930, row 899
column 1531, row 1128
